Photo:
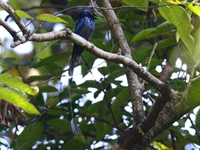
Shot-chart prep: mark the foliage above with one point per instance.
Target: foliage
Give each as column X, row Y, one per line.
column 98, row 96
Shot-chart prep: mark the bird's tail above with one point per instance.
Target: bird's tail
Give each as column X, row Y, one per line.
column 77, row 51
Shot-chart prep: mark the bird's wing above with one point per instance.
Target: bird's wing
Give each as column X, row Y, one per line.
column 79, row 26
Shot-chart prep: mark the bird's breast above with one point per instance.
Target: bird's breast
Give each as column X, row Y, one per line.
column 87, row 29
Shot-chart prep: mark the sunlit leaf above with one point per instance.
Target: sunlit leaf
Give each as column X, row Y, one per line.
column 18, row 99
column 50, row 18
column 17, row 82
column 195, row 9
column 159, row 145
column 175, row 2
column 183, row 25
column 22, row 14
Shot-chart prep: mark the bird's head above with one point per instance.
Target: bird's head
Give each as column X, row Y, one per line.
column 88, row 13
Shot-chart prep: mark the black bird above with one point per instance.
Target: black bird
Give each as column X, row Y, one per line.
column 85, row 28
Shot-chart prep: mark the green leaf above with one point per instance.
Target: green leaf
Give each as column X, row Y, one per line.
column 50, row 18
column 167, row 42
column 70, row 145
column 51, row 59
column 159, row 145
column 61, row 125
column 196, row 52
column 81, row 139
column 78, row 142
column 29, row 137
column 38, row 78
column 141, row 53
column 195, row 9
column 44, row 2
column 173, row 14
column 54, row 69
column 52, row 101
column 89, row 83
column 176, row 2
column 7, row 60
column 143, row 4
column 114, row 75
column 47, row 88
column 22, row 14
column 198, row 119
column 17, row 83
column 155, row 1
column 79, row 90
column 45, row 45
column 121, row 98
column 56, row 112
column 68, row 19
column 104, row 70
column 153, row 32
column 101, row 130
column 17, row 98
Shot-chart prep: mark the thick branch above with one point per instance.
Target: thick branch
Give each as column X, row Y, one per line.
column 135, row 87
column 118, row 34
column 159, row 85
column 156, row 83
column 174, row 109
column 50, row 36
column 153, row 113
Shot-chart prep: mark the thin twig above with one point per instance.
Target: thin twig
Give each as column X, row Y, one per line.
column 151, row 55
column 92, row 3
column 150, row 58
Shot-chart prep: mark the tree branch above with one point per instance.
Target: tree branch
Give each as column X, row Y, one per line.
column 50, row 36
column 135, row 87
column 118, row 34
column 11, row 12
column 156, row 83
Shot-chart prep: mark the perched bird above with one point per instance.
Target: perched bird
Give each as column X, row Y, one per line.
column 85, row 28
